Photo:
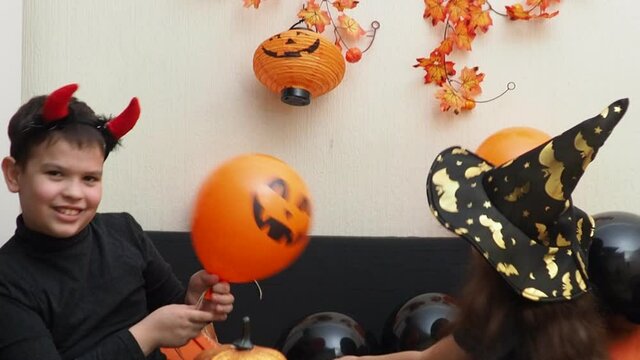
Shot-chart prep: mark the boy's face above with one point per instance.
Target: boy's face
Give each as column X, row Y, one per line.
column 59, row 187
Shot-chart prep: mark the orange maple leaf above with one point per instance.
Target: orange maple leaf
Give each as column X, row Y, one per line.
column 249, row 3
column 351, row 26
column 452, row 100
column 545, row 15
column 445, row 47
column 437, row 68
column 471, row 80
column 463, row 36
column 434, row 10
column 449, row 99
column 313, row 16
column 344, row 4
column 543, row 4
column 516, row 12
column 480, row 19
column 457, row 10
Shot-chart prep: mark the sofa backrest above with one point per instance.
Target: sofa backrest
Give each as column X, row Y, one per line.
column 366, row 278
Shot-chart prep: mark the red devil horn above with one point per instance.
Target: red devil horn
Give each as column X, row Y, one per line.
column 56, row 105
column 121, row 124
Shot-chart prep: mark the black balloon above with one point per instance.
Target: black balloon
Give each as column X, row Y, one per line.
column 614, row 263
column 419, row 323
column 325, row 336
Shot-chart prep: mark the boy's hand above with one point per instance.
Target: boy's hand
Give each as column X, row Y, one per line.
column 220, row 303
column 169, row 326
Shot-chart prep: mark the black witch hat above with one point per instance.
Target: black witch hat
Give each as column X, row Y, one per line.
column 520, row 215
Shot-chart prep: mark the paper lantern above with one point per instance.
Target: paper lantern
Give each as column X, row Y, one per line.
column 298, row 64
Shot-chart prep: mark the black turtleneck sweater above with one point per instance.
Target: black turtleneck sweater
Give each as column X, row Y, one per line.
column 76, row 298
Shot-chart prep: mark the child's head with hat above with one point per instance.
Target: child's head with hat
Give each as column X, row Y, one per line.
column 520, row 215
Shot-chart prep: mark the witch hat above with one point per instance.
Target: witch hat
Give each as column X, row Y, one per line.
column 520, row 215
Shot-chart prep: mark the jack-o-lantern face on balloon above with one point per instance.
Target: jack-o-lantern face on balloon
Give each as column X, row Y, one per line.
column 282, row 214
column 298, row 64
column 251, row 218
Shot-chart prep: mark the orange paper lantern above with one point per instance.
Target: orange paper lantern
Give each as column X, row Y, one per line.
column 251, row 218
column 298, row 64
column 509, row 143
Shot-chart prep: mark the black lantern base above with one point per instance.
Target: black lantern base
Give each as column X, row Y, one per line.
column 295, row 96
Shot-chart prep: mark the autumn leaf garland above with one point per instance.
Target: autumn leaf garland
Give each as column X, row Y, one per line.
column 463, row 20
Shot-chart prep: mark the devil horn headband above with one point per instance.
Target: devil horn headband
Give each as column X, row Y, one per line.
column 56, row 107
column 121, row 124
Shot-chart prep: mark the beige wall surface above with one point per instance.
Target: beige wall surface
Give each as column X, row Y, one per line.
column 364, row 149
column 10, row 76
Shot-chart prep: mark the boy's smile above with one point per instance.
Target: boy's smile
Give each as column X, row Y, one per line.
column 60, row 187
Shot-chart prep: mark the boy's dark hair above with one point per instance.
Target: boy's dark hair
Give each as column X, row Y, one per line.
column 81, row 127
column 60, row 116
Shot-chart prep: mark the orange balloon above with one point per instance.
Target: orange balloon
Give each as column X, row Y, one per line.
column 251, row 218
column 509, row 143
column 626, row 347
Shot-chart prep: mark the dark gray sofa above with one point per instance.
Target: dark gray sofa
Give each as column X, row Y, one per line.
column 366, row 278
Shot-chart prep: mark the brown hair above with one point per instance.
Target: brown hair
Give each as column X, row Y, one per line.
column 567, row 330
column 26, row 130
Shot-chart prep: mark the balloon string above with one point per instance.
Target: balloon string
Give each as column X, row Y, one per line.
column 208, row 331
column 259, row 289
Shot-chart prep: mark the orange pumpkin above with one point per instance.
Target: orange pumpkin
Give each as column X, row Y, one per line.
column 251, row 218
column 298, row 64
column 509, row 143
column 241, row 349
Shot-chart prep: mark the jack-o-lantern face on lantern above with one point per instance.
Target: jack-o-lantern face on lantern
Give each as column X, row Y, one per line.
column 298, row 64
column 284, row 216
column 290, row 44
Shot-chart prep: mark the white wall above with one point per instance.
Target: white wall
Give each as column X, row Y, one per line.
column 10, row 76
column 364, row 148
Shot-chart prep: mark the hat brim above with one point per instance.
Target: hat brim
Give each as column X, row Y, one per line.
column 537, row 272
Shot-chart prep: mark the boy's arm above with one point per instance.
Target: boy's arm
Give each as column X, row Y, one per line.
column 23, row 335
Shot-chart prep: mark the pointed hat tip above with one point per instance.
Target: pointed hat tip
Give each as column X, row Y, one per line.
column 623, row 104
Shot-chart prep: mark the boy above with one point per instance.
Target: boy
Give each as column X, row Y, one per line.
column 75, row 284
